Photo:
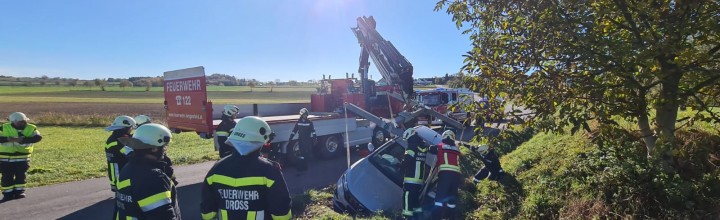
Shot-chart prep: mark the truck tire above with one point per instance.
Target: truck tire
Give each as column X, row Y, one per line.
column 330, row 146
column 379, row 137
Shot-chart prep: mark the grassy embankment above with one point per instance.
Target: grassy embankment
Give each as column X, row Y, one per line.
column 567, row 176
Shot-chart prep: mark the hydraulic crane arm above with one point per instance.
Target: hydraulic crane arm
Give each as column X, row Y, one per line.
column 392, row 65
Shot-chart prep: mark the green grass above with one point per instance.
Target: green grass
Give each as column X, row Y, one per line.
column 77, row 153
column 317, row 204
column 217, row 94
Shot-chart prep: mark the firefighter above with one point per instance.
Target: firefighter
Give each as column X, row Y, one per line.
column 449, row 176
column 144, row 190
column 142, row 120
column 224, row 129
column 115, row 153
column 245, row 185
column 491, row 169
column 413, row 166
column 305, row 130
column 139, row 120
column 16, row 139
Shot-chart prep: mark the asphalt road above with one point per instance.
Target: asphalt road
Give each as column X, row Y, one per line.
column 92, row 199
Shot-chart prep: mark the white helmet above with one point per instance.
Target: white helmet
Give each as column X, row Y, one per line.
column 409, row 133
column 120, row 122
column 448, row 133
column 141, row 120
column 230, row 110
column 249, row 134
column 304, row 111
column 483, row 149
column 17, row 116
column 148, row 136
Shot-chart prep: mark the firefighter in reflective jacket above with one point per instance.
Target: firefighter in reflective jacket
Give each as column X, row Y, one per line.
column 16, row 145
column 492, row 169
column 223, row 130
column 413, row 166
column 144, row 190
column 449, row 176
column 305, row 130
column 141, row 120
column 245, row 185
column 115, row 152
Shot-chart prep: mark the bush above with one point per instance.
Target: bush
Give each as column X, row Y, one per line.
column 563, row 176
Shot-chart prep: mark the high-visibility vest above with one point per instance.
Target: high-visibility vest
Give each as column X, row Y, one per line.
column 13, row 151
column 448, row 158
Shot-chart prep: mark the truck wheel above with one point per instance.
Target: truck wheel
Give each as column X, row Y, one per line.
column 330, row 146
column 379, row 137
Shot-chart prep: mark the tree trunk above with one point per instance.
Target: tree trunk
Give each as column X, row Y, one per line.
column 647, row 134
column 666, row 107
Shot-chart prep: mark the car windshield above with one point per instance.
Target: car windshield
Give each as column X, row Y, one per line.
column 434, row 99
column 388, row 161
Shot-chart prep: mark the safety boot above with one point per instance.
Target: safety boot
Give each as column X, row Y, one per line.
column 7, row 197
column 19, row 195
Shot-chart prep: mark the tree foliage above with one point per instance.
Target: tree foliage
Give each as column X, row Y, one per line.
column 574, row 61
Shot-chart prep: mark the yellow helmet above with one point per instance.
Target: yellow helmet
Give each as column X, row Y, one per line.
column 120, row 122
column 17, row 116
column 141, row 120
column 448, row 133
column 148, row 136
column 249, row 134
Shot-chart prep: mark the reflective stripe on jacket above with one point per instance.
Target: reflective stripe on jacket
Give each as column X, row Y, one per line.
column 245, row 187
column 14, row 151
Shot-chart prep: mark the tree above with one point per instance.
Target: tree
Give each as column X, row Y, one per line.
column 72, row 82
column 577, row 61
column 251, row 84
column 125, row 83
column 272, row 84
column 148, row 84
column 57, row 83
column 42, row 83
column 100, row 83
column 87, row 83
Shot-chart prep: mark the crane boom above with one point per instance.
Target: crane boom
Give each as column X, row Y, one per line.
column 394, row 68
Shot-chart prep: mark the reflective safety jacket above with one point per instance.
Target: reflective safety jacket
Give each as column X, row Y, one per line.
column 145, row 191
column 245, row 187
column 14, row 151
column 115, row 152
column 304, row 128
column 448, row 156
column 222, row 132
column 414, row 161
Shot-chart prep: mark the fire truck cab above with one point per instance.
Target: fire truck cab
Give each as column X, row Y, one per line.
column 442, row 100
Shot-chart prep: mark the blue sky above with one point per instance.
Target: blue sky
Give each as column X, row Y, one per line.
column 265, row 39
